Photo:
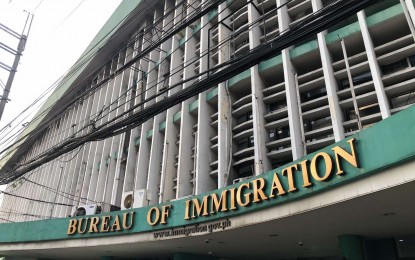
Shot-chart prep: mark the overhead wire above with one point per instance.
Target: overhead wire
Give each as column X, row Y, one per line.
column 184, row 25
column 71, row 13
column 309, row 26
column 67, row 76
column 157, row 22
column 35, row 200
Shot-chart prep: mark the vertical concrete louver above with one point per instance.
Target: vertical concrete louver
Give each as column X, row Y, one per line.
column 290, row 105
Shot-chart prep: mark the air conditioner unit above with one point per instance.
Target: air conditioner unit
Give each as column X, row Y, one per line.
column 241, row 179
column 86, row 210
column 134, row 199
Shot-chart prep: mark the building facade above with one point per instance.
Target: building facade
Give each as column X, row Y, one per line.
column 324, row 90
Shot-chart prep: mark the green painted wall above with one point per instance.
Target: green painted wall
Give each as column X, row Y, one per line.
column 379, row 147
column 177, row 116
column 194, row 105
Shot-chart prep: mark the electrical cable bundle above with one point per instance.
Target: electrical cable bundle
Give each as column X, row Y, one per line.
column 193, row 16
column 310, row 26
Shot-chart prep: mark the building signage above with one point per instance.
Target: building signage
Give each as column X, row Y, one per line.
column 101, row 224
column 375, row 149
column 322, row 167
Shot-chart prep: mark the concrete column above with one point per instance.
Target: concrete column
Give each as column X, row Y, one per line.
column 135, row 134
column 169, row 169
column 261, row 161
column 156, row 151
column 41, row 175
column 53, row 171
column 80, row 160
column 69, row 163
column 64, row 132
column 411, row 10
column 101, row 156
column 352, row 247
column 374, row 67
column 141, row 175
column 116, row 149
column 224, row 106
column 106, row 154
column 204, row 182
column 91, row 162
column 119, row 147
column 291, row 92
column 331, row 83
column 186, row 165
column 74, row 169
column 142, row 171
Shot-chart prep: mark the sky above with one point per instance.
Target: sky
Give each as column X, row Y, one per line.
column 61, row 30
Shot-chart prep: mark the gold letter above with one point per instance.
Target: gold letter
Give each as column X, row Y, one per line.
column 304, row 171
column 327, row 162
column 150, row 213
column 216, row 205
column 80, row 231
column 232, row 199
column 124, row 220
column 289, row 171
column 72, row 226
column 199, row 207
column 104, row 224
column 186, row 213
column 116, row 224
column 165, row 213
column 350, row 158
column 258, row 185
column 93, row 226
column 276, row 184
column 239, row 194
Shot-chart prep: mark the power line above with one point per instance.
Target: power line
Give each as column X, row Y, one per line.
column 71, row 13
column 35, row 200
column 311, row 25
column 152, row 47
column 37, row 6
column 82, row 61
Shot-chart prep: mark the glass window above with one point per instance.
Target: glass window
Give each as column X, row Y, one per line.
column 362, row 78
column 313, row 94
column 394, row 67
column 412, row 60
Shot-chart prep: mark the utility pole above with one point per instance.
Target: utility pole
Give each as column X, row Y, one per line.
column 17, row 54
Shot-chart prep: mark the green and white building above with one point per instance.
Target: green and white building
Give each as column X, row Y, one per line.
column 309, row 154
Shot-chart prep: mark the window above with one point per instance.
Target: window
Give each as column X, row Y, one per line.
column 280, row 133
column 275, row 106
column 244, row 118
column 394, row 67
column 369, row 110
column 349, row 114
column 246, row 143
column 357, row 80
column 362, row 78
column 412, row 60
column 245, row 171
column 313, row 94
